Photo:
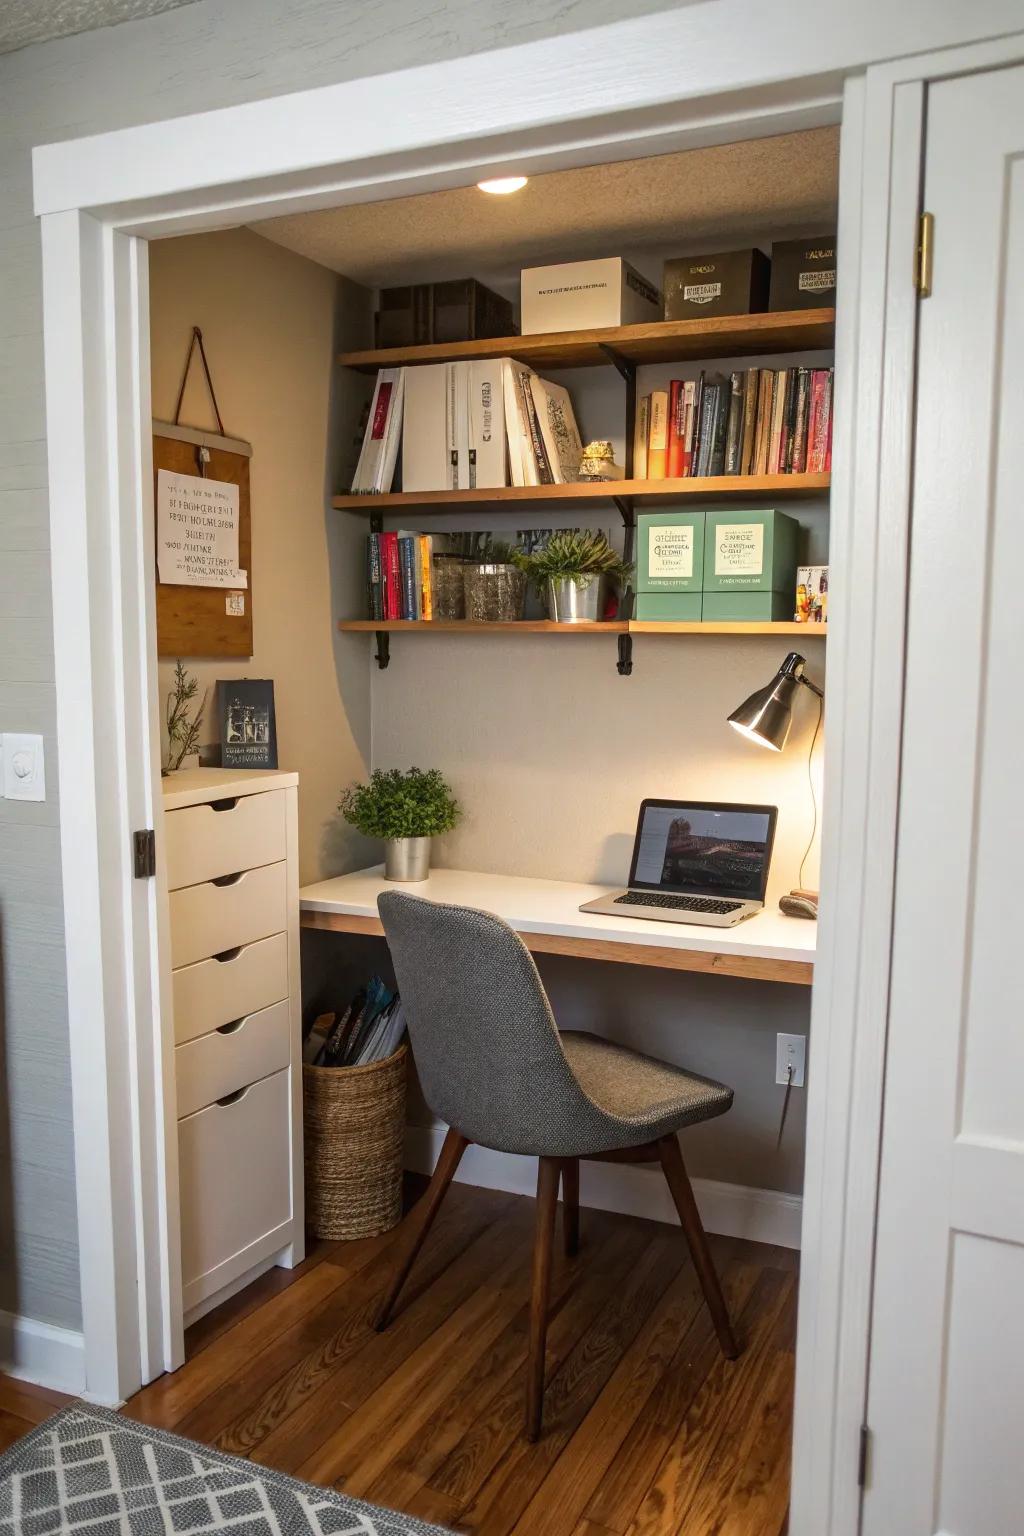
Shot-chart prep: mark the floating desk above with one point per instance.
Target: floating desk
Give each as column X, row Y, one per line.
column 545, row 913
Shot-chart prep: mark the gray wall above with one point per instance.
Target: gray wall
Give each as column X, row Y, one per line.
column 213, row 53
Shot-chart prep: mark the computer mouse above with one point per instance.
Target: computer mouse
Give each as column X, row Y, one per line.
column 798, row 904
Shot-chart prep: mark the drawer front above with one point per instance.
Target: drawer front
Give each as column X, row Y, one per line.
column 205, row 841
column 224, row 1061
column 207, row 919
column 240, row 981
column 234, row 1171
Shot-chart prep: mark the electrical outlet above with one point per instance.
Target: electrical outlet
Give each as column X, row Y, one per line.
column 24, row 777
column 790, row 1051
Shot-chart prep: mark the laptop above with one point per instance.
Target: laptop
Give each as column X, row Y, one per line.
column 696, row 861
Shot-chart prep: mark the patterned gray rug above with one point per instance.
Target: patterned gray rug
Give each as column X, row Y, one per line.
column 88, row 1470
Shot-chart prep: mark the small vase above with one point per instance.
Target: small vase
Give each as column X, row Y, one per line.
column 406, row 858
column 494, row 593
column 576, row 602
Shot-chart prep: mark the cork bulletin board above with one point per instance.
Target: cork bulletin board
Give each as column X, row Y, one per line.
column 205, row 621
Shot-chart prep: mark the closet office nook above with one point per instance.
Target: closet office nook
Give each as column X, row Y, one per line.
column 401, row 411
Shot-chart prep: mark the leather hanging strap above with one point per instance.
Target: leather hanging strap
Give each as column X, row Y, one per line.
column 197, row 339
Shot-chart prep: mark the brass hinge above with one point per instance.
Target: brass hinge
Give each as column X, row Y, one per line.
column 923, row 256
column 862, row 1457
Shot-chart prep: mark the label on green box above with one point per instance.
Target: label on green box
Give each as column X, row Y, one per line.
column 670, row 553
column 751, row 551
column 739, row 551
column 670, row 550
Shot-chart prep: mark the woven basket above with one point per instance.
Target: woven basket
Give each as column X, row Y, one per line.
column 354, row 1135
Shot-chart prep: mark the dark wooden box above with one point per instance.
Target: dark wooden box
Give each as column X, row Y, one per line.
column 727, row 283
column 465, row 310
column 804, row 273
column 405, row 316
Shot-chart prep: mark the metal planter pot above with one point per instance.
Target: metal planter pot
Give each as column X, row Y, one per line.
column 406, row 858
column 572, row 604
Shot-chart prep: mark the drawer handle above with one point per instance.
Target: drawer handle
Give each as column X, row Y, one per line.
column 224, row 805
column 229, row 879
column 233, row 1098
column 227, row 954
column 232, row 1027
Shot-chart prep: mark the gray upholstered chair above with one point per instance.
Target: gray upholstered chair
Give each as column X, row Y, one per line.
column 494, row 1066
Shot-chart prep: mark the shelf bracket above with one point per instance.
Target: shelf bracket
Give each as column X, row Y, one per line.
column 624, row 665
column 623, row 365
column 383, row 655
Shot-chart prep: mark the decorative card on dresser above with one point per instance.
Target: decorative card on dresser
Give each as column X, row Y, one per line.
column 231, row 861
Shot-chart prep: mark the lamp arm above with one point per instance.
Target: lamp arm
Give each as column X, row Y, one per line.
column 812, row 686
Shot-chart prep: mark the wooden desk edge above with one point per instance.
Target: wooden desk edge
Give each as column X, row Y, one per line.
column 751, row 967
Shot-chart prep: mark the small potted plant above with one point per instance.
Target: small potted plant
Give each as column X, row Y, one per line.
column 495, row 586
column 572, row 570
column 406, row 810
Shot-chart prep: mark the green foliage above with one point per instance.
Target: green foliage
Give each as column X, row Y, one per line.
column 397, row 804
column 498, row 552
column 182, row 733
column 572, row 554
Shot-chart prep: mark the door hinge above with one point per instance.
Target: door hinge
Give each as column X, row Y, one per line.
column 923, row 255
column 862, row 1456
column 145, row 854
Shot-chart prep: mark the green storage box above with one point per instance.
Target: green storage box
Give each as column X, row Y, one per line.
column 670, row 551
column 746, row 607
column 668, row 607
column 748, row 551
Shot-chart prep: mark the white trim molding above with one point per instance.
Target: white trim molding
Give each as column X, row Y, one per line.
column 759, row 1215
column 42, row 1353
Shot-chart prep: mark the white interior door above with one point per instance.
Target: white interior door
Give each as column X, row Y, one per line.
column 946, row 1389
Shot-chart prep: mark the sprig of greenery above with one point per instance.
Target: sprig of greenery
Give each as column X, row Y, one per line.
column 182, row 733
column 397, row 804
column 576, row 555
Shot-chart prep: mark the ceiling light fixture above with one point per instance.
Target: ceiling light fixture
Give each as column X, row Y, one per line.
column 501, row 186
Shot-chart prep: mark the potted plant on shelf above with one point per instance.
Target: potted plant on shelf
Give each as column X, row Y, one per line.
column 572, row 570
column 406, row 810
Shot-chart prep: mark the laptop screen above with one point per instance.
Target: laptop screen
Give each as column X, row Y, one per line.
column 703, row 848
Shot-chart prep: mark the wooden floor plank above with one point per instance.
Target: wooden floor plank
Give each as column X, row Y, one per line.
column 647, row 1430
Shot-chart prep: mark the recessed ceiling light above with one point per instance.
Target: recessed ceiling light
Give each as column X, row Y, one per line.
column 501, row 186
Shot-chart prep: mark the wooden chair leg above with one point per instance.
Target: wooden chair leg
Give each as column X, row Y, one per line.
column 420, row 1219
column 678, row 1182
column 571, row 1206
column 548, row 1171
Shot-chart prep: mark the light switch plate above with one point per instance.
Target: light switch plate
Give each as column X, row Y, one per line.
column 23, row 769
column 791, row 1051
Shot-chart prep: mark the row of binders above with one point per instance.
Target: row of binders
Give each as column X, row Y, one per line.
column 762, row 421
column 371, row 1028
column 467, row 425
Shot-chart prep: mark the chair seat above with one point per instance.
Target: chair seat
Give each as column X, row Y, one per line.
column 643, row 1098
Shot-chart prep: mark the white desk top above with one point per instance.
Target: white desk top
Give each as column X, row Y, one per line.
column 552, row 906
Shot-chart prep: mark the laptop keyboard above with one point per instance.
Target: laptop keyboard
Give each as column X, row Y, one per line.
column 676, row 903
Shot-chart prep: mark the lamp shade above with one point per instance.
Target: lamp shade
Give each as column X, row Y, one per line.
column 768, row 714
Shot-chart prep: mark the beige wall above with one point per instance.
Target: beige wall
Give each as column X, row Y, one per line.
column 271, row 322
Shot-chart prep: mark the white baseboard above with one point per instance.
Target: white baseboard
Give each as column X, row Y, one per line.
column 734, row 1210
column 39, row 1352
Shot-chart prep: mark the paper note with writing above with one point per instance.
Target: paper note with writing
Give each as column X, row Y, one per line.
column 197, row 532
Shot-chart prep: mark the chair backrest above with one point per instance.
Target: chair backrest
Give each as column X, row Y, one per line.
column 487, row 1050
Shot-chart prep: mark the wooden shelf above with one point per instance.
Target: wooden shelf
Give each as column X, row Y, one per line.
column 607, row 627
column 650, row 492
column 472, row 626
column 664, row 341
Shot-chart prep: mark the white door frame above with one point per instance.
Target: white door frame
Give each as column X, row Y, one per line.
column 678, row 79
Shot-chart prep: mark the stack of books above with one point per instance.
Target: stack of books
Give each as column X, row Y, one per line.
column 370, row 1028
column 399, row 575
column 467, row 426
column 763, row 421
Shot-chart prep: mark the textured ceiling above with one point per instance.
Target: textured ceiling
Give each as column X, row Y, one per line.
column 33, row 21
column 761, row 187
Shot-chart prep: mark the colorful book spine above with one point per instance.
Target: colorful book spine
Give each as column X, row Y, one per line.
column 657, row 449
column 689, row 402
column 641, row 433
column 374, row 576
column 734, row 430
column 392, row 576
column 407, row 578
column 676, row 430
column 426, row 577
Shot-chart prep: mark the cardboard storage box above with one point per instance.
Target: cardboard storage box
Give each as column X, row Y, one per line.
column 752, row 553
column 728, row 283
column 585, row 295
column 746, row 607
column 804, row 273
column 669, row 607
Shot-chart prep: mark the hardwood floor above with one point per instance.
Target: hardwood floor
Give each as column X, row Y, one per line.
column 648, row 1431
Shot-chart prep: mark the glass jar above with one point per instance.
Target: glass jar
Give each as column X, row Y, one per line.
column 495, row 594
column 449, row 599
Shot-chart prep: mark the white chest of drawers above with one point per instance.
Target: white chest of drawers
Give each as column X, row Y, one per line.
column 231, row 862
